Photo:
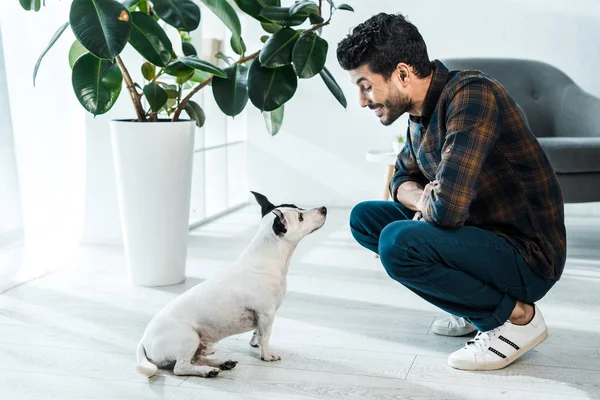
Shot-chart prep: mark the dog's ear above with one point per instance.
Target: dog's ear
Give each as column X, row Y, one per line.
column 279, row 223
column 265, row 205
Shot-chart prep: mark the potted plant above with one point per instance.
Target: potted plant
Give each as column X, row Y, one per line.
column 398, row 143
column 153, row 151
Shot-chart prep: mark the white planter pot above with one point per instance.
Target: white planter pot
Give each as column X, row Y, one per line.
column 153, row 166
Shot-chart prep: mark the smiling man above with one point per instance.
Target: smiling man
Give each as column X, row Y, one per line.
column 477, row 222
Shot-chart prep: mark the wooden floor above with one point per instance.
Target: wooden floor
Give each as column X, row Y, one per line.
column 345, row 330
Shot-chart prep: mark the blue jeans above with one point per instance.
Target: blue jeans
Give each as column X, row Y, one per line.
column 469, row 272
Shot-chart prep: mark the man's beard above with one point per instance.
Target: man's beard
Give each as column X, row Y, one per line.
column 396, row 105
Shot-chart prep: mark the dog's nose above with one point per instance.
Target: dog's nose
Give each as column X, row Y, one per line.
column 323, row 210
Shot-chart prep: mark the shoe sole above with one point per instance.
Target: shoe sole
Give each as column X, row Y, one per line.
column 453, row 332
column 490, row 366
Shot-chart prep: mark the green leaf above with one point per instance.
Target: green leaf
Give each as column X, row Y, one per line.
column 227, row 14
column 277, row 51
column 181, row 14
column 274, row 120
column 178, row 69
column 264, row 38
column 309, row 55
column 195, row 112
column 189, row 49
column 254, row 7
column 156, row 96
column 172, row 92
column 238, row 45
column 270, row 88
column 29, row 5
column 53, row 40
column 333, row 87
column 331, row 3
column 76, row 51
column 149, row 71
column 183, row 79
column 281, row 16
column 271, row 28
column 226, row 59
column 200, row 76
column 149, row 39
column 315, row 19
column 196, row 63
column 130, row 3
column 304, row 7
column 97, row 83
column 231, row 93
column 101, row 26
column 345, row 7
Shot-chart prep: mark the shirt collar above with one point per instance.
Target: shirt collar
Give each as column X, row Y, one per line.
column 438, row 82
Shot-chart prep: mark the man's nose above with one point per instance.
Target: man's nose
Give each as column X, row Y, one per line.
column 362, row 100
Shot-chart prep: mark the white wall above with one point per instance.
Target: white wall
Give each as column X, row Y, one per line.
column 319, row 155
column 48, row 127
column 11, row 223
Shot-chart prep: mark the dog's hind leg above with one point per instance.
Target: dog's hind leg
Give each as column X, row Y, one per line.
column 222, row 365
column 254, row 342
column 189, row 347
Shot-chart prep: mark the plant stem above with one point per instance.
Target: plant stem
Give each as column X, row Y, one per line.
column 204, row 84
column 135, row 96
column 316, row 27
column 320, row 8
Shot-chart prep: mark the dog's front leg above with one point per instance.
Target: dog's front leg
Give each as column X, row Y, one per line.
column 264, row 326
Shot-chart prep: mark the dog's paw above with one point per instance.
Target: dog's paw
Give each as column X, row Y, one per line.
column 228, row 365
column 270, row 357
column 212, row 373
column 254, row 341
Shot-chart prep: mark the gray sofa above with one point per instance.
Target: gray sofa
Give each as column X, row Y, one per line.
column 564, row 118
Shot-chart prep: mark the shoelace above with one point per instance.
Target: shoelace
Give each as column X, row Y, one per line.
column 481, row 341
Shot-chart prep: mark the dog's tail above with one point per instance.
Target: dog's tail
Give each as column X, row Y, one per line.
column 144, row 366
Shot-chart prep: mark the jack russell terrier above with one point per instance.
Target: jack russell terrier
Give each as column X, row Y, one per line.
column 239, row 299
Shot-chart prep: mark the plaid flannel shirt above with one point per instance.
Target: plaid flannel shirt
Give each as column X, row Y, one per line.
column 473, row 139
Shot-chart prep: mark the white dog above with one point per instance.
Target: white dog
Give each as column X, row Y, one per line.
column 239, row 299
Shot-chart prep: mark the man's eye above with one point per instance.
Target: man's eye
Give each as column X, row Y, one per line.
column 368, row 89
column 300, row 217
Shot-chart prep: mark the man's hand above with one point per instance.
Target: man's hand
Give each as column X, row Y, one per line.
column 420, row 204
column 408, row 194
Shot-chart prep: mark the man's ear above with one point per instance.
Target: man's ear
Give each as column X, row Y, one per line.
column 265, row 205
column 403, row 71
column 279, row 223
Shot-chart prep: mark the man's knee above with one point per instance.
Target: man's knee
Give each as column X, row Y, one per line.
column 360, row 213
column 398, row 248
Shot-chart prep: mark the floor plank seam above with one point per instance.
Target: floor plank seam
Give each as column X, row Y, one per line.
column 411, row 365
column 26, row 282
column 431, row 325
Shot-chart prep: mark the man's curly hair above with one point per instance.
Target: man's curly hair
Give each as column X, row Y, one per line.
column 383, row 41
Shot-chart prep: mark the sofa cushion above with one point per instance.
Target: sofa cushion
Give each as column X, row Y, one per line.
column 569, row 155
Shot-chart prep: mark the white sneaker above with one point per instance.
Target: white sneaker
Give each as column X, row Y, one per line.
column 452, row 326
column 499, row 347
